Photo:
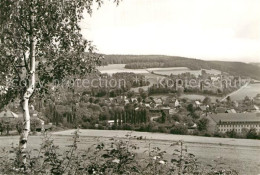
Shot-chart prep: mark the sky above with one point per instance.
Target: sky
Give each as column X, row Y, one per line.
column 226, row 30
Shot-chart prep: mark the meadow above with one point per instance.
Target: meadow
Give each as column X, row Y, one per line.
column 180, row 70
column 250, row 90
column 199, row 97
column 115, row 68
column 239, row 154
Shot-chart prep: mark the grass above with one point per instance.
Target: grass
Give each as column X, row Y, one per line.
column 250, row 90
column 116, row 68
column 239, row 154
column 180, row 70
column 199, row 97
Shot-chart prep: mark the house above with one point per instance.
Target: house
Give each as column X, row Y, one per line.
column 257, row 99
column 155, row 114
column 107, row 101
column 126, row 101
column 197, row 103
column 7, row 114
column 253, row 108
column 41, row 127
column 48, row 127
column 158, row 101
column 177, row 103
column 250, row 108
column 192, row 128
column 166, row 110
column 112, row 122
column 172, row 111
column 111, row 99
column 256, row 108
column 148, row 100
column 147, row 105
column 231, row 111
column 171, row 105
column 204, row 108
column 3, row 90
column 214, row 78
column 220, row 110
column 236, row 121
column 235, row 104
column 119, row 99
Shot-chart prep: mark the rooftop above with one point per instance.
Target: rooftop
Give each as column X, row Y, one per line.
column 8, row 114
column 236, row 117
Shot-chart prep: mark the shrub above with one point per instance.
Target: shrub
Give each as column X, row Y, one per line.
column 203, row 124
column 252, row 134
column 179, row 129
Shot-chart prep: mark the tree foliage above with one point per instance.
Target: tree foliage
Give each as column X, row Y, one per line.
column 61, row 50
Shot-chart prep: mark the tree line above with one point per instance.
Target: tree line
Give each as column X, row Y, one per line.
column 153, row 61
column 131, row 117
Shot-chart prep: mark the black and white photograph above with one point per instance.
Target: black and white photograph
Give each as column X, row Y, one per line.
column 131, row 87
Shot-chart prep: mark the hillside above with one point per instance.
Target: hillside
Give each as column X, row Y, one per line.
column 256, row 64
column 152, row 61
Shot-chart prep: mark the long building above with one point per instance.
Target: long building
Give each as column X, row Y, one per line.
column 236, row 121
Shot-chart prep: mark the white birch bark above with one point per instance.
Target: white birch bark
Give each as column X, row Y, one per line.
column 25, row 102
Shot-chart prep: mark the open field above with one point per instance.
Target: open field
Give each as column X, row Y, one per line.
column 115, row 68
column 239, row 154
column 199, row 97
column 152, row 78
column 180, row 70
column 250, row 90
column 161, row 136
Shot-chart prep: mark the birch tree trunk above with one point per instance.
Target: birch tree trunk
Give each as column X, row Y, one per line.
column 25, row 100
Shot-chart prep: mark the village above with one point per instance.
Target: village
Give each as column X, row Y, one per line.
column 129, row 87
column 139, row 111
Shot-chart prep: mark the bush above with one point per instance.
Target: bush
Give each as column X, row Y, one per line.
column 252, row 134
column 162, row 129
column 203, row 124
column 127, row 126
column 219, row 134
column 179, row 129
column 232, row 134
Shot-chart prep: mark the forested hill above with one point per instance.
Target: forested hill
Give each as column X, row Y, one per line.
column 256, row 64
column 153, row 61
